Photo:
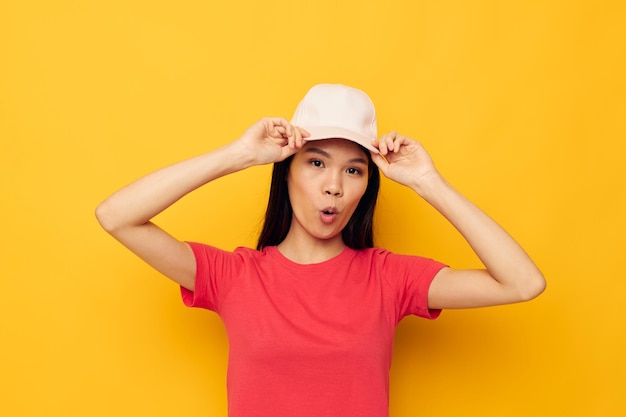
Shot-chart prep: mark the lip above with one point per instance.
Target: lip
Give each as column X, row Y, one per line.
column 328, row 215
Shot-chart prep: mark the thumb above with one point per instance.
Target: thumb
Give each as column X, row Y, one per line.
column 381, row 162
column 286, row 152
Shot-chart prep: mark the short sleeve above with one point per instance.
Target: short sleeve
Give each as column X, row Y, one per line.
column 215, row 270
column 411, row 277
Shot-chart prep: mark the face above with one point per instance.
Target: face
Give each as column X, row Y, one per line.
column 326, row 181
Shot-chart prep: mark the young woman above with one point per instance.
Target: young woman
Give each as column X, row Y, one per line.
column 310, row 314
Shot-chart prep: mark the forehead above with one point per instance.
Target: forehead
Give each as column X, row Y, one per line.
column 335, row 146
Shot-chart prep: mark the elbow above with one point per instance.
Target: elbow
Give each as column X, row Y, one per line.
column 535, row 286
column 105, row 217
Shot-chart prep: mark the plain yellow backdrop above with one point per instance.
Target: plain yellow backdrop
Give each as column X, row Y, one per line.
column 521, row 104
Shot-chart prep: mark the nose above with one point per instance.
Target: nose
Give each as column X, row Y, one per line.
column 333, row 186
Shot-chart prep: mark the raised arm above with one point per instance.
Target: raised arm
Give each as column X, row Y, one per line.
column 127, row 214
column 509, row 276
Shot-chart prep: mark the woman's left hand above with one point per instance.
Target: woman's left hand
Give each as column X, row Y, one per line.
column 403, row 160
column 509, row 276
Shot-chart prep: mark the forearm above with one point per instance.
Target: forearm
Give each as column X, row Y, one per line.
column 146, row 197
column 503, row 257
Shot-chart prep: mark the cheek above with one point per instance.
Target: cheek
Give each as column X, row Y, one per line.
column 297, row 191
column 357, row 194
column 362, row 188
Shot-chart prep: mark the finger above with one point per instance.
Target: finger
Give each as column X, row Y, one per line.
column 382, row 144
column 305, row 134
column 297, row 138
column 381, row 163
column 400, row 140
column 408, row 143
column 278, row 121
column 286, row 152
column 374, row 144
column 290, row 140
column 277, row 125
column 279, row 132
column 390, row 141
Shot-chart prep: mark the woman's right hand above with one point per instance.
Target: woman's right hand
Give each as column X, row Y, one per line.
column 272, row 139
column 127, row 214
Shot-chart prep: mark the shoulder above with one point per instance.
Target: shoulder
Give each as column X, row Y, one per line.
column 394, row 267
column 203, row 251
column 386, row 257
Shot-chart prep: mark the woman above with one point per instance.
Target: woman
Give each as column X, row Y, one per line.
column 310, row 314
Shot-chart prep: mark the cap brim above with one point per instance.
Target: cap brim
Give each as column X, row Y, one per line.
column 332, row 132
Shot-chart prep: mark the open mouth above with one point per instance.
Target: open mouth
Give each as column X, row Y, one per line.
column 328, row 215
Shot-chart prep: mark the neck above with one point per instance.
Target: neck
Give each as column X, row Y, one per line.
column 310, row 251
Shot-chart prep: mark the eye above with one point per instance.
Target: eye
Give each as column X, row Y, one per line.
column 316, row 163
column 353, row 171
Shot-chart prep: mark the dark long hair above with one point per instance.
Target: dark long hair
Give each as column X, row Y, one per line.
column 358, row 233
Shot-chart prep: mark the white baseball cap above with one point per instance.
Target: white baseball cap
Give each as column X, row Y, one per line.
column 337, row 111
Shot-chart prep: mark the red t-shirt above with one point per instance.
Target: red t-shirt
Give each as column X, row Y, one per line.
column 310, row 340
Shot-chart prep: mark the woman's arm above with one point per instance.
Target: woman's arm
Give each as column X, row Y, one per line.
column 509, row 276
column 127, row 213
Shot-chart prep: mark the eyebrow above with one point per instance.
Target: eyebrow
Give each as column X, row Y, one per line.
column 327, row 155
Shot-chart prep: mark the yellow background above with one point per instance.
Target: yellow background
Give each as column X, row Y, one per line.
column 521, row 104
